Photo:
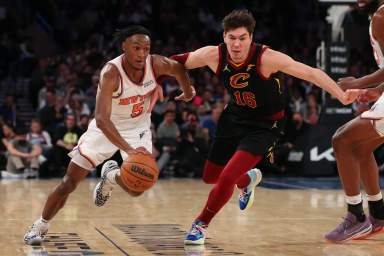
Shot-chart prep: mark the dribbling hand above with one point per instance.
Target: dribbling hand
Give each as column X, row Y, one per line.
column 184, row 98
column 139, row 150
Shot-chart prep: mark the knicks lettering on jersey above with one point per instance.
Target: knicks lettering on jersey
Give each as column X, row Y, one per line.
column 132, row 100
column 239, row 80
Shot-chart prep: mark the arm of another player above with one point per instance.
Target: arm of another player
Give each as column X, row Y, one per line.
column 376, row 77
column 109, row 82
column 274, row 61
column 165, row 66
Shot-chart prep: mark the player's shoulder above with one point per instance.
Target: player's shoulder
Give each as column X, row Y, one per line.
column 378, row 17
column 109, row 70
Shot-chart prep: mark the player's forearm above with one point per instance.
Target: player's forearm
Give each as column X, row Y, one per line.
column 183, row 79
column 323, row 81
column 110, row 131
column 370, row 80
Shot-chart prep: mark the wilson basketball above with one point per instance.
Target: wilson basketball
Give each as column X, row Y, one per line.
column 139, row 172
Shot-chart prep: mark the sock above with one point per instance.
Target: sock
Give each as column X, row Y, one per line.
column 111, row 176
column 238, row 165
column 43, row 220
column 244, row 180
column 376, row 205
column 355, row 206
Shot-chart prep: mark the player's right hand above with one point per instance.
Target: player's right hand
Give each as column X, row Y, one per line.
column 187, row 98
column 345, row 83
column 139, row 150
column 351, row 95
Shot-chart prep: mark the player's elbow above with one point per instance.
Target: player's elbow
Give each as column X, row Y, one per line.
column 313, row 74
column 100, row 122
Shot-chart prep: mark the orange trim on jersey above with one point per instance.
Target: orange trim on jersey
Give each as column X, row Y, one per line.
column 219, row 65
column 121, row 82
column 258, row 63
column 240, row 65
column 142, row 78
column 86, row 157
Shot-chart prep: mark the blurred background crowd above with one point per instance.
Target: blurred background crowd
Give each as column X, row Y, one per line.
column 52, row 52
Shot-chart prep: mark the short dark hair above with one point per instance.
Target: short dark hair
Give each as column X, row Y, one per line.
column 121, row 34
column 237, row 19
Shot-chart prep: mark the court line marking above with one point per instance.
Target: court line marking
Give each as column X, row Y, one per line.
column 110, row 240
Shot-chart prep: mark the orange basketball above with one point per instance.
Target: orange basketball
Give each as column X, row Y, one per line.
column 139, row 172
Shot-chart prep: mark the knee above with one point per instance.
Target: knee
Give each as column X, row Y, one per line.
column 211, row 172
column 339, row 139
column 67, row 186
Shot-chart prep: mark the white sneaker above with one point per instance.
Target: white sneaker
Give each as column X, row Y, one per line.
column 103, row 190
column 247, row 194
column 36, row 233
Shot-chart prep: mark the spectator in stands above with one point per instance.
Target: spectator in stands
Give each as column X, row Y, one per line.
column 193, row 123
column 66, row 138
column 84, row 121
column 211, row 123
column 77, row 106
column 8, row 134
column 8, row 110
column 23, row 155
column 167, row 135
column 312, row 109
column 38, row 136
column 191, row 153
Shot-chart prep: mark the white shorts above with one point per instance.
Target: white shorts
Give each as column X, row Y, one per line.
column 96, row 147
column 376, row 114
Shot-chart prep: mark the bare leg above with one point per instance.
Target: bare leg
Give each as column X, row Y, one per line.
column 355, row 132
column 58, row 197
column 369, row 170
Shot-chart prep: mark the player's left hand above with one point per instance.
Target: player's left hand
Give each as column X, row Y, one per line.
column 351, row 95
column 184, row 98
column 156, row 95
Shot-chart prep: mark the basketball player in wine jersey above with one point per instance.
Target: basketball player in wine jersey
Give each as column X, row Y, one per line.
column 125, row 97
column 355, row 142
column 252, row 121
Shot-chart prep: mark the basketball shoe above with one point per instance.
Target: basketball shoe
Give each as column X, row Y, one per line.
column 377, row 227
column 349, row 228
column 247, row 194
column 103, row 190
column 36, row 233
column 196, row 235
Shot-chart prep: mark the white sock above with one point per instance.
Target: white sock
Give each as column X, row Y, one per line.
column 376, row 197
column 43, row 220
column 111, row 176
column 353, row 199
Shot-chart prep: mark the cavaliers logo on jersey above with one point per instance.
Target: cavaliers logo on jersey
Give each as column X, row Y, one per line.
column 239, row 80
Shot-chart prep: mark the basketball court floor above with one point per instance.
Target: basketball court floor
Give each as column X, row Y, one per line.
column 288, row 218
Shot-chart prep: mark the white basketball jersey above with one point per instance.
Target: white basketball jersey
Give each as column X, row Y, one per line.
column 131, row 101
column 377, row 52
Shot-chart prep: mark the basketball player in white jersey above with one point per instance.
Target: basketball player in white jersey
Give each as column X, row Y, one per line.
column 355, row 142
column 125, row 97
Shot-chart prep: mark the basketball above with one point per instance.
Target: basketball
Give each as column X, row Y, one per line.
column 139, row 172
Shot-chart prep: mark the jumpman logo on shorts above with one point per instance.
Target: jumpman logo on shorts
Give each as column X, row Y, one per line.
column 142, row 134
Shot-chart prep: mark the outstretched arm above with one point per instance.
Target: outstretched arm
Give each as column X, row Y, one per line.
column 205, row 56
column 165, row 66
column 274, row 61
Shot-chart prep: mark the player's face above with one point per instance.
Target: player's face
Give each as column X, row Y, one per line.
column 238, row 42
column 136, row 49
